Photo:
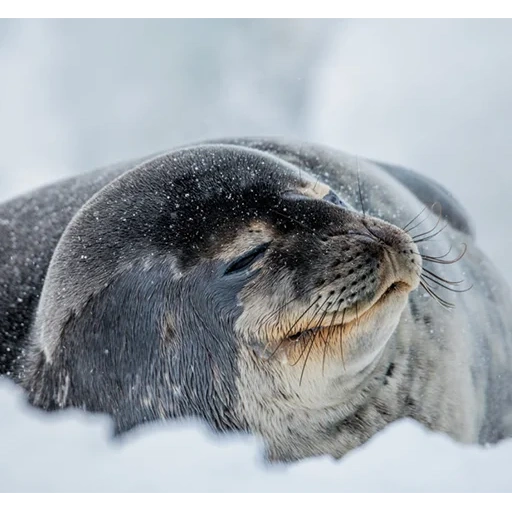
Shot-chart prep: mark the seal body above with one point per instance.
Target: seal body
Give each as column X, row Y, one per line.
column 288, row 290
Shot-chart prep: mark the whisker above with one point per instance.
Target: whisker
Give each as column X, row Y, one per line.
column 341, row 339
column 442, row 302
column 442, row 279
column 316, row 183
column 412, row 220
column 437, row 259
column 428, row 215
column 333, row 320
column 291, row 328
column 376, row 237
column 305, row 332
column 311, row 289
column 439, row 219
column 359, row 187
column 311, row 343
column 426, row 239
column 431, row 279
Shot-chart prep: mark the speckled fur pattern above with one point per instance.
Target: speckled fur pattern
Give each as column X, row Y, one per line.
column 118, row 295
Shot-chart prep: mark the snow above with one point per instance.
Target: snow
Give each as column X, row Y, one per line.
column 73, row 452
column 433, row 95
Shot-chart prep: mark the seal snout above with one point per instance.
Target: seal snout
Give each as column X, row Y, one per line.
column 371, row 265
column 404, row 263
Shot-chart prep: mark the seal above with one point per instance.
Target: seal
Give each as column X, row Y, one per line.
column 287, row 290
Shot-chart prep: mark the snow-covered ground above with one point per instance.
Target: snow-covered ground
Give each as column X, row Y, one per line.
column 72, row 451
column 434, row 95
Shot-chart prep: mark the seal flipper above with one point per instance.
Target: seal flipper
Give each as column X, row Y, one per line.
column 429, row 192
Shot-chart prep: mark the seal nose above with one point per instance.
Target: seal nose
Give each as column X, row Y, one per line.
column 401, row 251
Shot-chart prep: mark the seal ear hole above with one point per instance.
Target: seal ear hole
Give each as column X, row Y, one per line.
column 246, row 260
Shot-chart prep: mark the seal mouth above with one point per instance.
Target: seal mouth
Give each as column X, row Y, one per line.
column 355, row 313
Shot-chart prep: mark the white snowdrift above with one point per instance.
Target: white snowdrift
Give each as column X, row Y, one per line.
column 73, row 451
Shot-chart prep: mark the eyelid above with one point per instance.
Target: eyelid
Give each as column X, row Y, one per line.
column 247, row 259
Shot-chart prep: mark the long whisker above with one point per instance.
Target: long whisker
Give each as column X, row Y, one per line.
column 316, row 183
column 437, row 259
column 412, row 220
column 442, row 256
column 442, row 302
column 291, row 328
column 333, row 320
column 311, row 332
column 306, row 291
column 439, row 219
column 311, row 343
column 305, row 331
column 426, row 239
column 341, row 339
column 431, row 279
column 428, row 215
column 359, row 187
column 442, row 279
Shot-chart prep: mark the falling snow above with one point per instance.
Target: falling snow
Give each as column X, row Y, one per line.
column 350, row 84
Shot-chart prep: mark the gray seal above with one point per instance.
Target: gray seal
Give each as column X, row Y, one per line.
column 287, row 290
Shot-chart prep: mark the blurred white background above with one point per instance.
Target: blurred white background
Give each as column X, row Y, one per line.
column 434, row 95
column 431, row 95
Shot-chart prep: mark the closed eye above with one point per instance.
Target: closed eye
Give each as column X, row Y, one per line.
column 244, row 261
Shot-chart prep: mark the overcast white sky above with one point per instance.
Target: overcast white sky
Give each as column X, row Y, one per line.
column 431, row 94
